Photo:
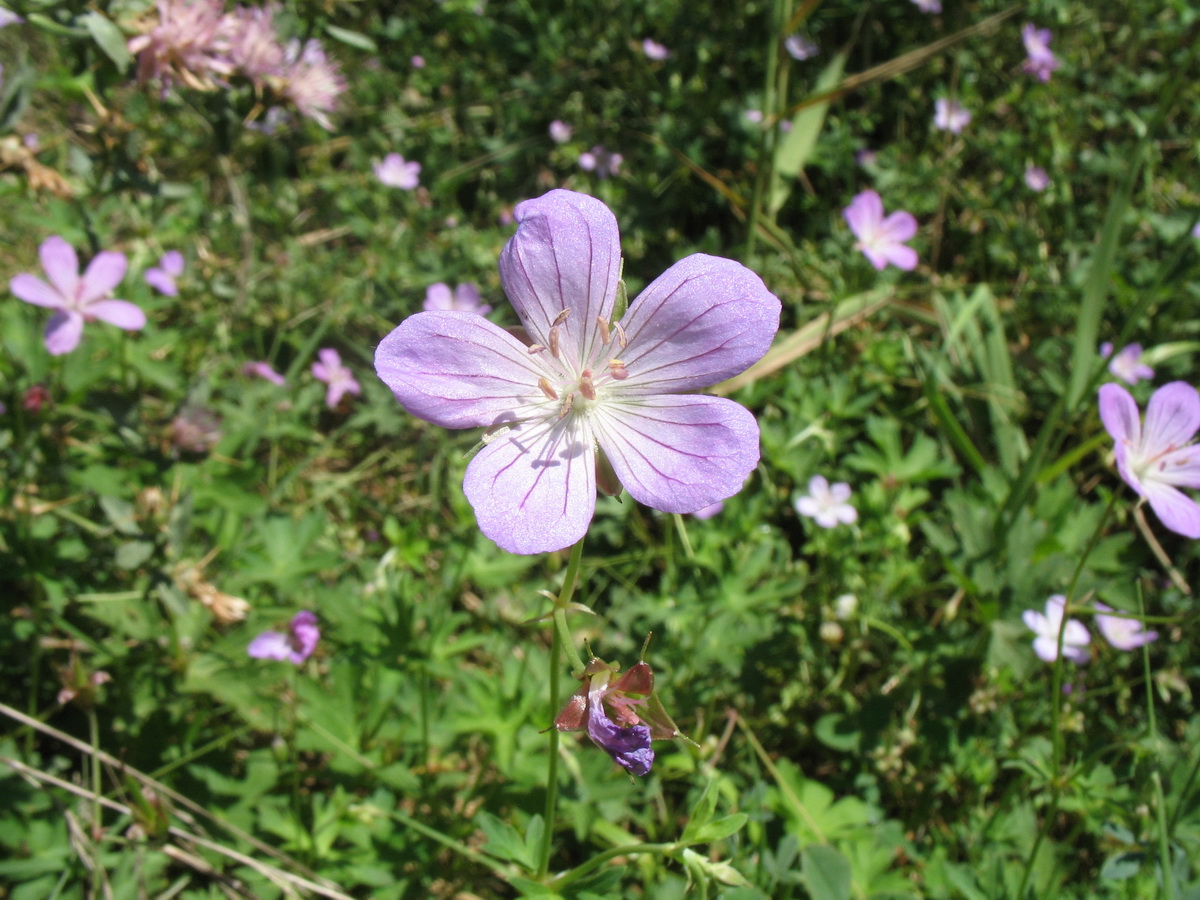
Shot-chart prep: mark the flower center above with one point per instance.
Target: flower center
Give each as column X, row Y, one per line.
column 579, row 393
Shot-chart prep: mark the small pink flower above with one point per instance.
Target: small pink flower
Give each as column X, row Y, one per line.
column 1127, row 364
column 881, row 240
column 1036, row 178
column 77, row 300
column 654, row 50
column 8, row 17
column 162, row 277
column 395, row 172
column 928, row 6
column 417, row 62
column 800, row 47
column 311, row 81
column 560, row 131
column 254, row 45
column 1040, row 62
column 950, row 115
column 600, row 161
column 754, row 116
column 189, row 45
column 263, row 370
column 1121, row 632
column 464, row 298
column 295, row 645
column 828, row 505
column 341, row 380
column 1047, row 626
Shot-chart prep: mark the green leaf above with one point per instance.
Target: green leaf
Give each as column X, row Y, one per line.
column 352, row 38
column 132, row 554
column 109, row 37
column 826, row 872
column 794, row 149
column 1123, row 865
column 721, row 828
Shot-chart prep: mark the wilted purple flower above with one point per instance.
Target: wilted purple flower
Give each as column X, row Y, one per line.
column 928, row 6
column 8, row 17
column 189, row 45
column 654, row 50
column 881, row 240
column 294, row 645
column 1127, row 365
column 254, row 46
column 588, row 385
column 560, row 131
column 263, row 370
column 829, row 505
column 77, row 300
column 162, row 277
column 464, row 298
column 1041, row 62
column 800, row 47
column 1121, row 632
column 341, row 380
column 950, row 115
column 1036, row 178
column 600, row 161
column 395, row 172
column 1158, row 458
column 1047, row 626
column 311, row 81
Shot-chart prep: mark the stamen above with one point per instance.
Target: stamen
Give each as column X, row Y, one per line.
column 605, row 331
column 621, row 339
column 554, row 341
column 585, row 385
column 489, row 436
column 568, row 402
column 561, row 317
column 617, row 369
column 536, row 348
column 547, row 389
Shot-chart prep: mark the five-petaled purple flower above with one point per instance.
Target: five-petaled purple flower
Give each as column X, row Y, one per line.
column 395, row 172
column 1121, row 632
column 586, row 385
column 464, row 298
column 294, row 645
column 1158, row 458
column 950, row 115
column 1040, row 63
column 162, row 277
column 341, row 380
column 829, row 505
column 881, row 240
column 1047, row 626
column 77, row 300
column 1127, row 364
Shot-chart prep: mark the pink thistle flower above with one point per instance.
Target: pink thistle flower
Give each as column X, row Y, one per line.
column 162, row 277
column 928, row 6
column 881, row 240
column 1047, row 626
column 1127, row 365
column 1158, row 458
column 560, row 131
column 254, row 46
column 654, row 50
column 263, row 370
column 1036, row 178
column 311, row 81
column 341, row 380
column 827, row 504
column 294, row 645
column 600, row 161
column 592, row 398
column 395, row 172
column 77, row 300
column 189, row 45
column 1122, row 633
column 464, row 298
column 1040, row 63
column 801, row 47
column 950, row 115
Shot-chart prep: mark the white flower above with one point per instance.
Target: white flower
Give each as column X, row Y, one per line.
column 1047, row 626
column 827, row 504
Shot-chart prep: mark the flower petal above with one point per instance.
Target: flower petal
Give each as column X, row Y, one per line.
column 678, row 454
column 103, row 274
column 63, row 332
column 629, row 747
column 1174, row 509
column 459, row 370
column 33, row 290
column 534, row 487
column 1172, row 417
column 900, row 256
column 1119, row 413
column 270, row 645
column 899, row 226
column 61, row 265
column 703, row 320
column 1180, row 468
column 161, row 281
column 566, row 254
column 172, row 262
column 121, row 313
column 864, row 214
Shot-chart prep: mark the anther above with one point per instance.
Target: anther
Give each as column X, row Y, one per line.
column 554, row 341
column 585, row 385
column 621, row 339
column 617, row 369
column 536, row 348
column 568, row 402
column 605, row 331
column 547, row 389
column 561, row 317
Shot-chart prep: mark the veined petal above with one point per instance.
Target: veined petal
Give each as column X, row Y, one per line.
column 1119, row 413
column 864, row 214
column 121, row 313
column 533, row 488
column 103, row 274
column 1180, row 468
column 63, row 332
column 566, row 254
column 1172, row 417
column 61, row 265
column 678, row 454
column 33, row 290
column 1175, row 509
column 703, row 320
column 459, row 370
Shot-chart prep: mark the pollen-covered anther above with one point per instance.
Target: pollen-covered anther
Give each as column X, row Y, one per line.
column 547, row 389
column 617, row 369
column 554, row 341
column 561, row 317
column 586, row 387
column 605, row 331
column 621, row 339
column 568, row 402
column 536, row 348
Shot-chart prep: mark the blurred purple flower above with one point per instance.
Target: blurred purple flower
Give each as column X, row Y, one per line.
column 654, row 50
column 866, row 157
column 950, row 115
column 417, row 62
column 1121, row 632
column 928, row 6
column 30, row 138
column 196, row 430
column 311, row 81
column 1040, row 63
column 1196, row 230
column 77, row 300
column 829, row 505
column 254, row 45
column 754, row 116
column 263, row 370
column 1127, row 365
column 162, row 277
column 8, row 17
column 600, row 161
column 188, row 45
column 801, row 47
column 881, row 240
column 709, row 511
column 294, row 645
column 1036, row 178
column 341, row 380
column 560, row 131
column 1046, row 628
column 464, row 298
column 588, row 386
column 395, row 172
column 1158, row 458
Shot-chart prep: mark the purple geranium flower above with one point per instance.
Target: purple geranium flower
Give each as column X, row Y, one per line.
column 881, row 240
column 77, row 300
column 589, row 385
column 395, row 172
column 1046, row 627
column 628, row 745
column 950, row 115
column 464, row 298
column 1127, row 364
column 1040, row 62
column 654, row 50
column 162, row 277
column 341, row 380
column 1158, row 458
column 829, row 505
column 263, row 370
column 560, row 131
column 1121, row 632
column 294, row 645
column 601, row 161
column 1036, row 178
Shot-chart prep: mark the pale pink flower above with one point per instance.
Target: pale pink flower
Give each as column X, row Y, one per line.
column 654, row 50
column 254, row 45
column 800, row 47
column 950, row 115
column 1040, row 62
column 77, row 300
column 560, row 131
column 395, row 172
column 1036, row 178
column 754, row 116
column 162, row 277
column 881, row 239
column 311, row 81
column 464, row 298
column 417, row 62
column 189, row 45
column 1121, row 632
column 928, row 6
column 263, row 370
column 601, row 161
column 8, row 17
column 827, row 504
column 1127, row 364
column 1196, row 230
column 1046, row 628
column 294, row 645
column 341, row 380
